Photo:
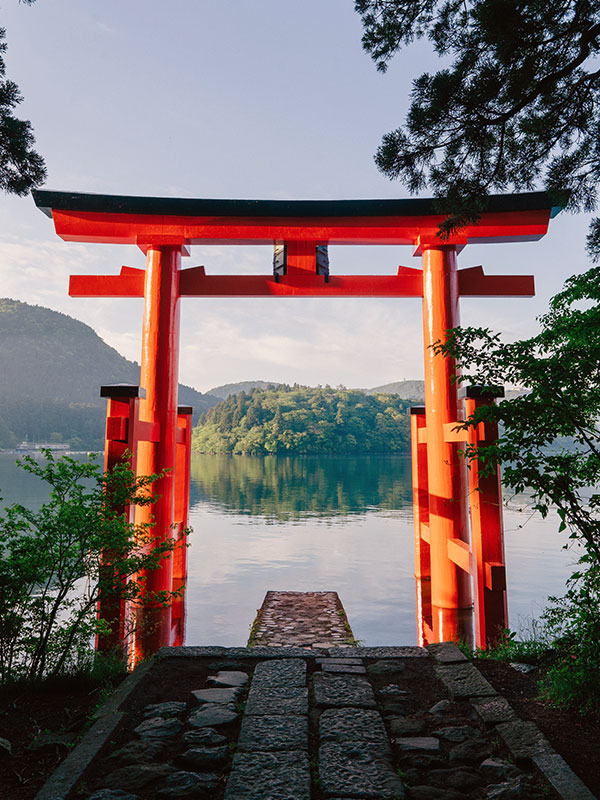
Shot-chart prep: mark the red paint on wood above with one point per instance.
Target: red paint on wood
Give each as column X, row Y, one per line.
column 450, row 587
column 487, row 535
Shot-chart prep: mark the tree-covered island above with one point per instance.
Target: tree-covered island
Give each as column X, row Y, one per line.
column 302, row 419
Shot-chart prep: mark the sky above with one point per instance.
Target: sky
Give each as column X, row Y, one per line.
column 271, row 99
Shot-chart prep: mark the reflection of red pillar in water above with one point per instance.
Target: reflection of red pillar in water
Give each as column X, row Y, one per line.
column 450, row 586
column 159, row 377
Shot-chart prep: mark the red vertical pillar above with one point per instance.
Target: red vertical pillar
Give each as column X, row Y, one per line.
column 487, row 530
column 182, row 502
column 450, row 587
column 159, row 377
column 421, row 525
column 120, row 438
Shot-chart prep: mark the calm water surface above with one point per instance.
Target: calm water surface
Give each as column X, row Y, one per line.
column 312, row 523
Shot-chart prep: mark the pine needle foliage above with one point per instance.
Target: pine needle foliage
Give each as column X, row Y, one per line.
column 514, row 107
column 21, row 167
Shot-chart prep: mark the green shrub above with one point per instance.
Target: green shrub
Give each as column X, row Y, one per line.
column 53, row 570
column 573, row 680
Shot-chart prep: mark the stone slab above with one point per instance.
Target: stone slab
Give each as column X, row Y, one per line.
column 385, row 667
column 203, row 758
column 273, row 733
column 524, row 740
column 220, row 696
column 158, row 728
column 228, row 678
column 136, row 777
column 277, row 701
column 464, row 680
column 211, row 715
column 403, row 726
column 279, row 672
column 349, row 669
column 343, row 690
column 421, row 744
column 234, row 653
column 203, row 737
column 188, row 784
column 357, row 725
column 493, row 710
column 562, row 778
column 378, row 652
column 446, row 653
column 265, row 776
column 357, row 771
column 138, row 752
column 168, row 709
column 356, row 661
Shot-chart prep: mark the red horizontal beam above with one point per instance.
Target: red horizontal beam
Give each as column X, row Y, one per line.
column 472, row 282
column 145, row 229
column 460, row 553
column 195, row 283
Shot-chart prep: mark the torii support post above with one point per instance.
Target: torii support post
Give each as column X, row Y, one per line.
column 159, row 377
column 122, row 411
column 451, row 597
column 487, row 532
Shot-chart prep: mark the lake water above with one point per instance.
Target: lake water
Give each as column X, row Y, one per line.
column 314, row 523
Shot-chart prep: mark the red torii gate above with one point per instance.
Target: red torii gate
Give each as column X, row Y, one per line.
column 446, row 556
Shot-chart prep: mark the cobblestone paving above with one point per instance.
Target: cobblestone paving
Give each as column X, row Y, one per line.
column 309, row 733
column 304, row 619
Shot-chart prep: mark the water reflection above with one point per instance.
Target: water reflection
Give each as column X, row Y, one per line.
column 283, row 488
column 311, row 523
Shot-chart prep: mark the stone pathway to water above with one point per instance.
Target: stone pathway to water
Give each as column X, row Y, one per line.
column 300, row 717
column 301, row 619
column 378, row 723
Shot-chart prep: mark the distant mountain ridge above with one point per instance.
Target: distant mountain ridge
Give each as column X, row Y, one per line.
column 227, row 389
column 51, row 370
column 407, row 390
column 52, row 367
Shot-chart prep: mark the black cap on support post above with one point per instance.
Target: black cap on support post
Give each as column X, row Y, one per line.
column 478, row 392
column 122, row 390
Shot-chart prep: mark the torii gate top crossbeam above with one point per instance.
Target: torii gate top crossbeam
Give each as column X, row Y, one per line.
column 179, row 221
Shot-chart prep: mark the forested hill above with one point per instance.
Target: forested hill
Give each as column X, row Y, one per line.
column 300, row 419
column 51, row 370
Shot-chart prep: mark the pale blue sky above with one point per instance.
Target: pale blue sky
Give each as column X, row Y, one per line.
column 269, row 99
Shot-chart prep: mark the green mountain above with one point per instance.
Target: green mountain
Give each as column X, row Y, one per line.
column 227, row 389
column 408, row 390
column 302, row 419
column 51, row 370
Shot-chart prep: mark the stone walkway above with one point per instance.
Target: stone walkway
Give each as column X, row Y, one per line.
column 376, row 723
column 301, row 619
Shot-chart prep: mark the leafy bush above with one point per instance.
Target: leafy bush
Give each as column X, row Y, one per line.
column 573, row 621
column 535, row 647
column 550, row 447
column 53, row 570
